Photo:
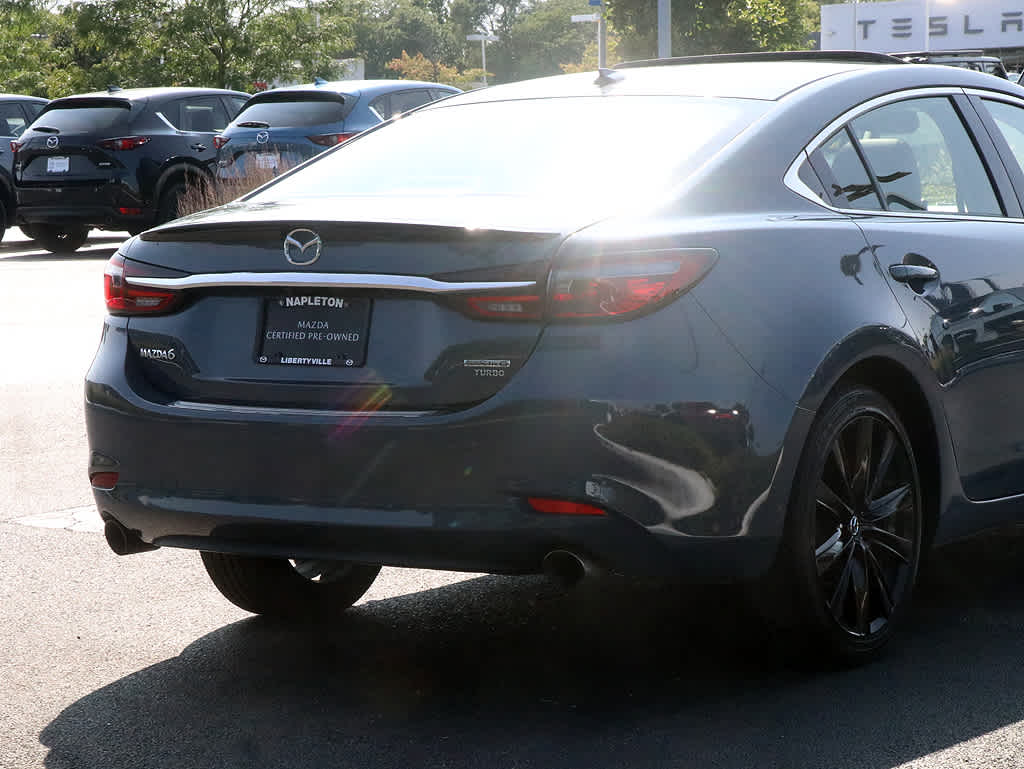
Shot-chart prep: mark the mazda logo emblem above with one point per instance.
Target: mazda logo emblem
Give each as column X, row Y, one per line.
column 52, row 142
column 302, row 247
column 263, row 137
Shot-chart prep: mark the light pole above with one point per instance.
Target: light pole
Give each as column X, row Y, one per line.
column 484, row 40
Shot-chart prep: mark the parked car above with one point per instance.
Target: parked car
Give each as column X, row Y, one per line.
column 976, row 60
column 16, row 112
column 746, row 341
column 281, row 128
column 117, row 160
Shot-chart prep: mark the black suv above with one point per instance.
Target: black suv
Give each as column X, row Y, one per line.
column 16, row 112
column 117, row 160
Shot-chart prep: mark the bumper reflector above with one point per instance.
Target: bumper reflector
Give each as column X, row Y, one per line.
column 562, row 507
column 103, row 481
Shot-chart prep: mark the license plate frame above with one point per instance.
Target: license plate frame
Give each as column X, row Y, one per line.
column 58, row 164
column 314, row 330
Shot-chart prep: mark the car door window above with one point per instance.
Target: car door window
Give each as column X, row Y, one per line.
column 381, row 105
column 12, row 119
column 33, row 108
column 234, row 105
column 203, row 114
column 403, row 101
column 1009, row 119
column 848, row 182
column 924, row 158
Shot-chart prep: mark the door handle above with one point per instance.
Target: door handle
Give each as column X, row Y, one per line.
column 198, row 147
column 913, row 273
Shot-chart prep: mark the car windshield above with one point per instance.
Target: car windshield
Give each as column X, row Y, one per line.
column 295, row 112
column 574, row 151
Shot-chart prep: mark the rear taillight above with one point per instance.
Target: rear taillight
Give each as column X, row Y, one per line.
column 614, row 286
column 220, row 141
column 329, row 140
column 15, row 146
column 124, row 143
column 619, row 286
column 125, row 299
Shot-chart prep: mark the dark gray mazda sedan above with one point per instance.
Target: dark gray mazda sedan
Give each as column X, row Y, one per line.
column 770, row 332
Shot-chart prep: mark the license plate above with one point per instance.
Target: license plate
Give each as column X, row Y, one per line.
column 314, row 330
column 265, row 160
column 58, row 165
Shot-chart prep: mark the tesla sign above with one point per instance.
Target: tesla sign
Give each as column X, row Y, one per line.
column 916, row 25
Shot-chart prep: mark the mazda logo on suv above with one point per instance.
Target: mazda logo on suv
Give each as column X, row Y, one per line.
column 52, row 141
column 302, row 247
column 263, row 137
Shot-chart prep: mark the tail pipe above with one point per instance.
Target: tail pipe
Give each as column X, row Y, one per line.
column 565, row 568
column 124, row 541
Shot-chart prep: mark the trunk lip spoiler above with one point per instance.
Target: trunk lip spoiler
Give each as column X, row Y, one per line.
column 416, row 283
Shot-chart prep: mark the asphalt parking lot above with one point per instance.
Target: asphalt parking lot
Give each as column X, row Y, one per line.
column 138, row 661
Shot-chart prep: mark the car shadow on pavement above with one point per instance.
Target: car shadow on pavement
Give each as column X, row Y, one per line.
column 508, row 672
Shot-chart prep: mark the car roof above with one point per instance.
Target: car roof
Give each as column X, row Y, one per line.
column 20, row 97
column 764, row 76
column 132, row 94
column 369, row 87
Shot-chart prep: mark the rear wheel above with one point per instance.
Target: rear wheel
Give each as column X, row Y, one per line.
column 60, row 239
column 170, row 201
column 852, row 545
column 295, row 589
column 30, row 231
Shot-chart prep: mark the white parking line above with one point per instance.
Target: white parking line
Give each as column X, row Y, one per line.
column 73, row 519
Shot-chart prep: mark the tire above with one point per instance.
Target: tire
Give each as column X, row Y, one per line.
column 60, row 239
column 851, row 548
column 281, row 588
column 30, row 231
column 3, row 219
column 168, row 208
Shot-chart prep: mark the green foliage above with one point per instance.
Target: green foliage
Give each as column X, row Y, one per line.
column 542, row 38
column 713, row 26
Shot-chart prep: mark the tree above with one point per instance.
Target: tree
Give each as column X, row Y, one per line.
column 384, row 29
column 29, row 64
column 419, row 67
column 713, row 26
column 541, row 39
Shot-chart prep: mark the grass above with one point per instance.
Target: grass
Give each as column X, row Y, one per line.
column 201, row 194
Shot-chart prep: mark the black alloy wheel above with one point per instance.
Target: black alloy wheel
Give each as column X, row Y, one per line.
column 853, row 539
column 60, row 239
column 289, row 589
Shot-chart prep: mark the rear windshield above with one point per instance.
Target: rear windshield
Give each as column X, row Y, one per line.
column 295, row 112
column 81, row 119
column 586, row 151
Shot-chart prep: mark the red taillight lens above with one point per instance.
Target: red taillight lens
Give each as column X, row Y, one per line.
column 621, row 285
column 125, row 299
column 130, row 211
column 329, row 140
column 220, row 141
column 562, row 507
column 124, row 143
column 15, row 146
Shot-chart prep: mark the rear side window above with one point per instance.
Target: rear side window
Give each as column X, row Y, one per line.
column 12, row 119
column 83, row 119
column 294, row 112
column 403, row 101
column 33, row 108
column 849, row 185
column 1010, row 122
column 204, row 114
column 924, row 159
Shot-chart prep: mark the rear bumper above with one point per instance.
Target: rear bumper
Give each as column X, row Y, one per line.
column 91, row 206
column 702, row 499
